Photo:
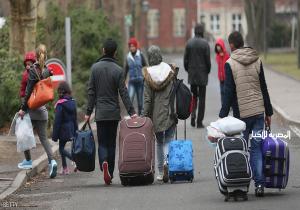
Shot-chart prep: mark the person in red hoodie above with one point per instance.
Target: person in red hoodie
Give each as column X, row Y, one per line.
column 221, row 57
column 29, row 60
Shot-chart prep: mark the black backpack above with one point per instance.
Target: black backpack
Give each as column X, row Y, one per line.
column 181, row 100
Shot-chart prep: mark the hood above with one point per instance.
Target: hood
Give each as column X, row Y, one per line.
column 130, row 56
column 222, row 45
column 68, row 103
column 245, row 56
column 159, row 76
column 30, row 56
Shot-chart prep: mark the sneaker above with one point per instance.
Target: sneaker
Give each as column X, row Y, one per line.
column 52, row 169
column 107, row 177
column 159, row 177
column 25, row 164
column 166, row 173
column 259, row 191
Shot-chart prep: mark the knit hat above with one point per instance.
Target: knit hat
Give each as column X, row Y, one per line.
column 154, row 55
column 133, row 41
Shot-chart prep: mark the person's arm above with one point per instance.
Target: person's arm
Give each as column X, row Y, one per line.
column 230, row 91
column 124, row 95
column 207, row 59
column 91, row 95
column 57, row 122
column 186, row 58
column 75, row 118
column 126, row 69
column 265, row 93
column 32, row 80
column 148, row 101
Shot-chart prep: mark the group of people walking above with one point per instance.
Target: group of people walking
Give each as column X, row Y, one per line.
column 242, row 85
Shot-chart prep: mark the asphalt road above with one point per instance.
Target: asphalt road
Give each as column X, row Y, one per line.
column 84, row 191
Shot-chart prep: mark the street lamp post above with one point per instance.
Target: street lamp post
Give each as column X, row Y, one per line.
column 145, row 8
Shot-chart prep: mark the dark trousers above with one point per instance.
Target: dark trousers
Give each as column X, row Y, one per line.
column 64, row 153
column 199, row 92
column 107, row 133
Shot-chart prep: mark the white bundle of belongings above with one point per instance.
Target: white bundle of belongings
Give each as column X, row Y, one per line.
column 227, row 126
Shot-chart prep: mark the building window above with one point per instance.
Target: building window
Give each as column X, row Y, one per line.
column 237, row 22
column 179, row 22
column 215, row 23
column 153, row 23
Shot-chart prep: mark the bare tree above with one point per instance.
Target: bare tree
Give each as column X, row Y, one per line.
column 23, row 25
column 256, row 11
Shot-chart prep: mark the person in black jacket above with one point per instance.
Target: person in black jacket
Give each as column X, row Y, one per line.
column 197, row 63
column 65, row 123
column 105, row 84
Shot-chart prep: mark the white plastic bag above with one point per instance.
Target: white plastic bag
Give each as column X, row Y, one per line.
column 12, row 129
column 213, row 134
column 24, row 134
column 229, row 125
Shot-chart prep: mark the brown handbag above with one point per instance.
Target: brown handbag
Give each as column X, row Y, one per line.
column 42, row 93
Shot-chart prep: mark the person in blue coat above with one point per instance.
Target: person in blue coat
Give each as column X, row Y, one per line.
column 65, row 123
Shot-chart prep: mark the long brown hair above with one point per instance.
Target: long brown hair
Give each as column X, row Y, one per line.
column 41, row 55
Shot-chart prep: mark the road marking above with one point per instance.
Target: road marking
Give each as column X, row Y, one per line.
column 296, row 130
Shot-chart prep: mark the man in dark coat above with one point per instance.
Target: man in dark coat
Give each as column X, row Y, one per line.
column 197, row 64
column 105, row 84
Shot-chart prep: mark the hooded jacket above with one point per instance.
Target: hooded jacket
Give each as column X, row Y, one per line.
column 65, row 122
column 30, row 56
column 221, row 60
column 245, row 81
column 158, row 86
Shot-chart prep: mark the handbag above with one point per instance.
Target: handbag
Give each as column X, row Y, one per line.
column 42, row 93
column 84, row 149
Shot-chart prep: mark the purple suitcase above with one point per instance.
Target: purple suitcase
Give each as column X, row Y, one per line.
column 276, row 161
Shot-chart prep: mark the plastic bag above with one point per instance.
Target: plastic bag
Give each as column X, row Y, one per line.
column 213, row 134
column 12, row 129
column 229, row 125
column 24, row 134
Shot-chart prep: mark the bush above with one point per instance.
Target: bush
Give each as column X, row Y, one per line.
column 10, row 69
column 89, row 29
column 280, row 35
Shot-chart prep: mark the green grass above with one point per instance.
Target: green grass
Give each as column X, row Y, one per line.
column 285, row 63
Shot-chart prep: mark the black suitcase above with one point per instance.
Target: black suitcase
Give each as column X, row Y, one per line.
column 232, row 167
column 84, row 150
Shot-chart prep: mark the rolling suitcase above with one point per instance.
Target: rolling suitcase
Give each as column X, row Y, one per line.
column 180, row 159
column 84, row 150
column 136, row 151
column 232, row 167
column 276, row 160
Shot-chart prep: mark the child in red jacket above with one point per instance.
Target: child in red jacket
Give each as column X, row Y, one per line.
column 221, row 58
column 29, row 60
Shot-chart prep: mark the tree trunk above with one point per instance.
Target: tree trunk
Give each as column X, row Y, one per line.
column 254, row 10
column 23, row 26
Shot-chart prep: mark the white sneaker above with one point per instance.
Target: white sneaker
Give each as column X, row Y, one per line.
column 159, row 177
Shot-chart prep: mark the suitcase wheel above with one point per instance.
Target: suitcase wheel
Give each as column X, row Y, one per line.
column 226, row 198
column 172, row 180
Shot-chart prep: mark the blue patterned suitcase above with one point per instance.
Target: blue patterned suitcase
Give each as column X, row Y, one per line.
column 180, row 160
column 276, row 161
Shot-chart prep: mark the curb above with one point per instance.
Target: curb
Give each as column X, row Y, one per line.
column 38, row 166
column 288, row 119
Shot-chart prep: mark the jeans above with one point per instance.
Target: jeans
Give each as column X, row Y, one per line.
column 107, row 133
column 199, row 92
column 41, row 128
column 162, row 146
column 137, row 88
column 64, row 153
column 255, row 124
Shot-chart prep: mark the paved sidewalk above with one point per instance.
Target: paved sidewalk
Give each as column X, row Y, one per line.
column 285, row 95
column 10, row 159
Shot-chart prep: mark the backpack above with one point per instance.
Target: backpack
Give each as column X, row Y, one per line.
column 181, row 97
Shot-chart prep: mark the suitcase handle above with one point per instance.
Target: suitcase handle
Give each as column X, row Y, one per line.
column 84, row 126
column 184, row 130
